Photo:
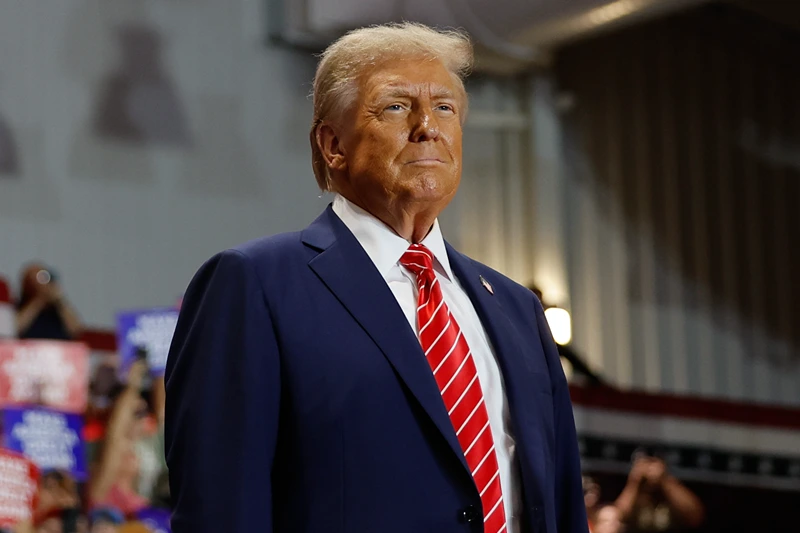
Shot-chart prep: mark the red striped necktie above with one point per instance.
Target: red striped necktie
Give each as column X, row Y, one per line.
column 450, row 358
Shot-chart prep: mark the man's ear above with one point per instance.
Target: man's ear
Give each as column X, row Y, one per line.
column 330, row 145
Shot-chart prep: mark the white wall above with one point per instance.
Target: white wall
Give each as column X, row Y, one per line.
column 680, row 232
column 127, row 225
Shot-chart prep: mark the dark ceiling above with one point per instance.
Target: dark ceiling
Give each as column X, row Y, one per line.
column 784, row 12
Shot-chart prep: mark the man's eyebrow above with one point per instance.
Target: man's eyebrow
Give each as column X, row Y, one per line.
column 442, row 92
column 407, row 91
column 396, row 91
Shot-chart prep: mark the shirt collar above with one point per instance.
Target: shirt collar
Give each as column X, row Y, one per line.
column 383, row 246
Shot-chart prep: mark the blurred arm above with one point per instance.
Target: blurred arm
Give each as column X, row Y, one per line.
column 122, row 418
column 570, row 509
column 683, row 501
column 159, row 398
column 222, row 402
column 627, row 499
column 28, row 313
column 24, row 527
column 50, row 294
column 70, row 318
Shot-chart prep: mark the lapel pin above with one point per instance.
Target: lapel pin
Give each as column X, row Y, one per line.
column 487, row 285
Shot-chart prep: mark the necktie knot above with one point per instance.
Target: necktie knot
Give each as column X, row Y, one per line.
column 418, row 259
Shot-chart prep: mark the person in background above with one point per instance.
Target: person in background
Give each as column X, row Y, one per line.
column 57, row 491
column 43, row 311
column 150, row 444
column 149, row 431
column 50, row 525
column 654, row 501
column 103, row 384
column 115, row 477
column 591, row 498
column 608, row 519
column 59, row 503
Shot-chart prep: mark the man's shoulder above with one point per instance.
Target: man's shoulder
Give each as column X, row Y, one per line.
column 285, row 248
column 265, row 256
column 278, row 247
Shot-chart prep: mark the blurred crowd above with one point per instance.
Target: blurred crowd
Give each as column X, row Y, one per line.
column 652, row 501
column 127, row 488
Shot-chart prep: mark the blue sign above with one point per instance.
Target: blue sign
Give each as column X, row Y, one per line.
column 148, row 332
column 51, row 439
column 157, row 520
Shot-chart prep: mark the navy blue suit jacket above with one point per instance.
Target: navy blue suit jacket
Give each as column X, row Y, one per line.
column 299, row 399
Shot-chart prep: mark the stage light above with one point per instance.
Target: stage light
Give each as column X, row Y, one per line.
column 560, row 324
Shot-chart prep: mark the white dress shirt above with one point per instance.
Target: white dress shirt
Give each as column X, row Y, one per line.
column 385, row 248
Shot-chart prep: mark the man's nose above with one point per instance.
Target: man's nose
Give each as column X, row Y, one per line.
column 424, row 126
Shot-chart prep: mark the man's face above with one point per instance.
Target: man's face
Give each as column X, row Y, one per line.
column 401, row 141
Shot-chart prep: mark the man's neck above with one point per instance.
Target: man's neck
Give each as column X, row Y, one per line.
column 410, row 224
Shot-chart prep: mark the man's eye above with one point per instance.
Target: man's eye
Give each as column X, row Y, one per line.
column 445, row 107
column 395, row 107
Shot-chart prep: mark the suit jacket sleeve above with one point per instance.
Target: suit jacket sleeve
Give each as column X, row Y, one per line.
column 222, row 406
column 570, row 508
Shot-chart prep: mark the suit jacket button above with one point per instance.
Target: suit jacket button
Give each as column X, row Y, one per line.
column 470, row 514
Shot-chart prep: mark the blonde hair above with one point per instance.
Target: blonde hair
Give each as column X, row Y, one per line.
column 340, row 65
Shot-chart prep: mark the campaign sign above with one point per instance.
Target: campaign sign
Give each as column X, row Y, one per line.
column 150, row 331
column 18, row 487
column 51, row 373
column 52, row 440
column 156, row 520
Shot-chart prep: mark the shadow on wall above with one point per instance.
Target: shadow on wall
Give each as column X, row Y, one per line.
column 9, row 158
column 136, row 107
column 33, row 196
column 138, row 102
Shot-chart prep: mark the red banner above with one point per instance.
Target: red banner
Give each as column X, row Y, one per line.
column 50, row 373
column 18, row 488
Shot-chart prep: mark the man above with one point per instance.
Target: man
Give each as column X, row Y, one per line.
column 653, row 500
column 361, row 375
column 43, row 311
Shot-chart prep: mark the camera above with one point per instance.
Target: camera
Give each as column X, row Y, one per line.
column 45, row 276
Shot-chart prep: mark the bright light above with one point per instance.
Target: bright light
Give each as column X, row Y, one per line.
column 613, row 11
column 560, row 324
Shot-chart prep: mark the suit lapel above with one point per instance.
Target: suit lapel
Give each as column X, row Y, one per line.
column 348, row 272
column 527, row 416
column 502, row 333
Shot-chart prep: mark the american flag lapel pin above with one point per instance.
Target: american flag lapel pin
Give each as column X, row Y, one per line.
column 487, row 285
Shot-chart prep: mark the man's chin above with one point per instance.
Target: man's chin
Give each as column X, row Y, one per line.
column 430, row 187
